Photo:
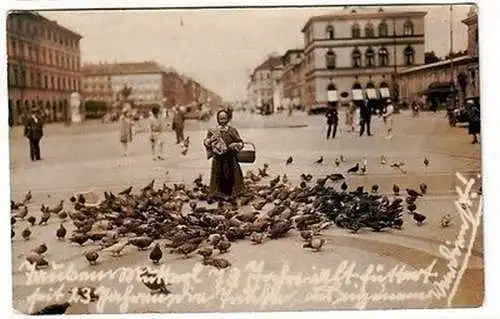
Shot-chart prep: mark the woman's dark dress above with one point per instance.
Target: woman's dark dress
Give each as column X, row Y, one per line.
column 474, row 121
column 226, row 178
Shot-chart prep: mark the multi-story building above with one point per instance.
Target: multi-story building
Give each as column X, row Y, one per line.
column 439, row 81
column 290, row 79
column 265, row 81
column 356, row 49
column 473, row 52
column 150, row 84
column 43, row 63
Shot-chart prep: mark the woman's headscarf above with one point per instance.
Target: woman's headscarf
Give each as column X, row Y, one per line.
column 223, row 111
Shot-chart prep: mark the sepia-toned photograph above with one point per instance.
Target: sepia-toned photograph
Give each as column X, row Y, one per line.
column 245, row 159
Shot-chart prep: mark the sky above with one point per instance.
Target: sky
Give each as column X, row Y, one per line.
column 220, row 48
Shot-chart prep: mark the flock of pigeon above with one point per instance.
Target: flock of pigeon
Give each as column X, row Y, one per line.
column 183, row 220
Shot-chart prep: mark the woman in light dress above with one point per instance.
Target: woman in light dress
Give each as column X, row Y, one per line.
column 350, row 116
column 126, row 123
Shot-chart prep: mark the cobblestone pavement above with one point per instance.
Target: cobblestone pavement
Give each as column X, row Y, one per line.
column 88, row 157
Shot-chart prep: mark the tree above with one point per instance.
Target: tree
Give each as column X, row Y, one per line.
column 431, row 57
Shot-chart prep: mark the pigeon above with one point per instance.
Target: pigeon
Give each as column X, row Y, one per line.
column 12, row 233
column 426, row 162
column 284, row 179
column 31, row 220
column 419, row 218
column 153, row 282
column 27, row 197
column 445, row 221
column 126, row 191
column 336, row 177
column 22, row 214
column 289, row 160
column 375, row 188
column 423, row 188
column 307, row 235
column 413, row 193
column 344, row 186
column 92, row 257
column 26, row 233
column 219, row 263
column 337, row 162
column 342, row 158
column 42, row 249
column 55, row 309
column 319, row 161
column 353, row 169
column 223, row 246
column 383, row 160
column 315, row 244
column 205, row 252
column 395, row 189
column 256, row 238
column 117, row 248
column 156, row 254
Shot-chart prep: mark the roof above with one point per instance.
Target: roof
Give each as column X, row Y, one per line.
column 33, row 15
column 146, row 67
column 350, row 15
column 464, row 58
column 269, row 64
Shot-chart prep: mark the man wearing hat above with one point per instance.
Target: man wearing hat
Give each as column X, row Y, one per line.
column 33, row 130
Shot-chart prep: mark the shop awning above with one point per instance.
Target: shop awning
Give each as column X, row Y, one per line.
column 357, row 95
column 332, row 96
column 440, row 88
column 385, row 93
column 371, row 94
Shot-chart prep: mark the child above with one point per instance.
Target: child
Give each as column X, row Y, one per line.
column 125, row 131
column 387, row 116
column 156, row 130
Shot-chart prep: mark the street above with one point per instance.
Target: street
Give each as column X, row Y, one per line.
column 88, row 157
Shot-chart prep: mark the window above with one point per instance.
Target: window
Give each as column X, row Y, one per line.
column 330, row 32
column 408, row 27
column 32, row 80
column 16, row 76
column 30, row 53
column 14, row 47
column 330, row 59
column 409, row 55
column 383, row 57
column 356, row 58
column 50, row 58
column 37, row 55
column 45, row 82
column 383, row 30
column 370, row 58
column 21, row 50
column 369, row 30
column 57, row 59
column 52, row 82
column 355, row 31
column 44, row 56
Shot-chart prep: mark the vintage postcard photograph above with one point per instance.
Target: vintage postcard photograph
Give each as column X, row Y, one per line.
column 245, row 159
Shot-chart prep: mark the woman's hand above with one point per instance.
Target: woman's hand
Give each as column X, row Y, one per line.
column 236, row 146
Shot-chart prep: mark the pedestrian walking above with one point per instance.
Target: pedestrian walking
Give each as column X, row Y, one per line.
column 126, row 124
column 474, row 117
column 387, row 115
column 33, row 131
column 415, row 108
column 222, row 145
column 156, row 134
column 350, row 115
column 365, row 118
column 332, row 120
column 178, row 123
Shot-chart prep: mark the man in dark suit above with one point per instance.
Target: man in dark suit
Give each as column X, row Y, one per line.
column 332, row 119
column 33, row 130
column 365, row 114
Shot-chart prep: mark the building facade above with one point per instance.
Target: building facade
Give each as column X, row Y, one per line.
column 444, row 79
column 290, row 79
column 264, row 82
column 43, row 65
column 365, row 48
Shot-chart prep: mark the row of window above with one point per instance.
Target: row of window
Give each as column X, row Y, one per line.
column 34, row 29
column 369, row 58
column 369, row 30
column 50, row 57
column 20, row 76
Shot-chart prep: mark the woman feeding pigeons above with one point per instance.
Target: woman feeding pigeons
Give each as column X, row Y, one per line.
column 222, row 145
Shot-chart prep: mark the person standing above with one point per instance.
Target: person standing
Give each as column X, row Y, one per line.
column 33, row 130
column 125, row 130
column 222, row 145
column 388, row 119
column 350, row 114
column 155, row 137
column 474, row 117
column 365, row 118
column 332, row 119
column 178, row 124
